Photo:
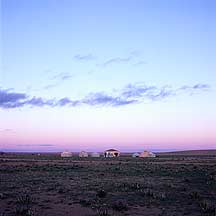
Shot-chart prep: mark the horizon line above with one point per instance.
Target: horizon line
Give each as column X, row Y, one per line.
column 156, row 151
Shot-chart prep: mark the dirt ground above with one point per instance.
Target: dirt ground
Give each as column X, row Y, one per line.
column 47, row 185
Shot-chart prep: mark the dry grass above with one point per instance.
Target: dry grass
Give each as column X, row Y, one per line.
column 49, row 185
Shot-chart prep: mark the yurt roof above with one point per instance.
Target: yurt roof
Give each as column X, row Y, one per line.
column 66, row 152
column 111, row 150
column 146, row 151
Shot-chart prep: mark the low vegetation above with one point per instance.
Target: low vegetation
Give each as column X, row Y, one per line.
column 47, row 185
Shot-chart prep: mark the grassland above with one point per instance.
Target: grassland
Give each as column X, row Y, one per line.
column 47, row 185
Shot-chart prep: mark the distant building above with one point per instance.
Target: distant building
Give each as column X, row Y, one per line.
column 111, row 153
column 95, row 154
column 147, row 154
column 83, row 154
column 66, row 154
column 135, row 154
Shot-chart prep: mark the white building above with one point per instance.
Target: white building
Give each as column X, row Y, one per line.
column 66, row 154
column 147, row 154
column 83, row 154
column 111, row 153
column 95, row 154
column 135, row 154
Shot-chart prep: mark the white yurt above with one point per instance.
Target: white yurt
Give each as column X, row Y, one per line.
column 95, row 154
column 136, row 154
column 83, row 154
column 66, row 154
column 111, row 153
column 147, row 154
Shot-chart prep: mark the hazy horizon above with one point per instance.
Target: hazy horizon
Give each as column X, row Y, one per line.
column 46, row 148
column 93, row 75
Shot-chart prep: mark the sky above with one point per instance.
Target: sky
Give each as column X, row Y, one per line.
column 91, row 75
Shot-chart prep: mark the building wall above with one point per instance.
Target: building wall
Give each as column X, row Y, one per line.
column 111, row 154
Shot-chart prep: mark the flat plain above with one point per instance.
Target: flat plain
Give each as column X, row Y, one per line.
column 177, row 184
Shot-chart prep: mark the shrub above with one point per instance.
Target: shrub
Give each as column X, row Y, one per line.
column 22, row 211
column 103, row 211
column 120, row 205
column 101, row 194
column 207, row 207
column 25, row 200
column 23, row 207
column 85, row 202
column 194, row 195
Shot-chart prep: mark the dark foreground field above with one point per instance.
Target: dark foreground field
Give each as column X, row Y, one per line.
column 47, row 185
